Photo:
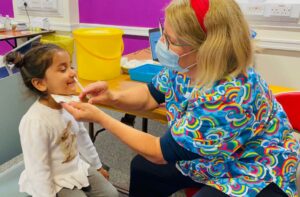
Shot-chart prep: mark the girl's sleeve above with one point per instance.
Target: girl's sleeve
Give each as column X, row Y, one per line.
column 86, row 147
column 35, row 145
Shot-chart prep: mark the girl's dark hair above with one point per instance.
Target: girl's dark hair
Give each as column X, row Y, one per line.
column 34, row 63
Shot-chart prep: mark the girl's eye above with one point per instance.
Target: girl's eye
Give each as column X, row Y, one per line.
column 63, row 68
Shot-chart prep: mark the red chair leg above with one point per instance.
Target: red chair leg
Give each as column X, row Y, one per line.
column 189, row 192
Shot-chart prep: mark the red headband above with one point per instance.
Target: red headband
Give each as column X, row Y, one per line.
column 200, row 7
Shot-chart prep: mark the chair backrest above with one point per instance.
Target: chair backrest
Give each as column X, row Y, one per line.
column 290, row 102
column 13, row 105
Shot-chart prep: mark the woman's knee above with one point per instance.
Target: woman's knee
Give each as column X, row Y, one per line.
column 138, row 163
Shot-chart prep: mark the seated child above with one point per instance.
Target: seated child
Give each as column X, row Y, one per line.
column 52, row 141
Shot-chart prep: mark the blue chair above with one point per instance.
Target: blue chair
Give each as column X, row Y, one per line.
column 13, row 104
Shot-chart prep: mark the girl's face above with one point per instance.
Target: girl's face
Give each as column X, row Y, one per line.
column 59, row 77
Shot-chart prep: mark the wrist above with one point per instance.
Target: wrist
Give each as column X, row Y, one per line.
column 99, row 115
column 114, row 98
column 102, row 119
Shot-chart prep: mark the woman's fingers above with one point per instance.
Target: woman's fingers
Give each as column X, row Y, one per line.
column 82, row 96
column 94, row 100
column 74, row 109
column 68, row 107
column 87, row 94
column 93, row 90
column 76, row 105
column 82, row 111
column 95, row 87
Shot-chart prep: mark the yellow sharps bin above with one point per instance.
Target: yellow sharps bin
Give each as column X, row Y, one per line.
column 98, row 52
column 65, row 42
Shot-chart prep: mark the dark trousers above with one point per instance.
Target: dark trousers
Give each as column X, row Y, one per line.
column 148, row 180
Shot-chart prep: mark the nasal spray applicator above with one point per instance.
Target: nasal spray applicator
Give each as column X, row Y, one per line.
column 81, row 87
column 79, row 84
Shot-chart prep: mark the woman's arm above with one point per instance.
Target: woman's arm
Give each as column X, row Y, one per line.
column 135, row 98
column 143, row 143
column 173, row 152
column 131, row 99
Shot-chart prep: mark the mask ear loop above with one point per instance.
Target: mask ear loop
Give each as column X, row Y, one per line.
column 187, row 53
column 192, row 65
column 195, row 87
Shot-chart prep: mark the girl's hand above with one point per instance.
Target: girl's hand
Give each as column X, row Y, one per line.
column 83, row 111
column 104, row 172
column 97, row 93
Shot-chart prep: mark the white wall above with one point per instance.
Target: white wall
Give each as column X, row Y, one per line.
column 278, row 68
column 279, row 62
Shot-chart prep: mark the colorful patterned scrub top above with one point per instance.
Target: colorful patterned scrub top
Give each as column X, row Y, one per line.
column 239, row 130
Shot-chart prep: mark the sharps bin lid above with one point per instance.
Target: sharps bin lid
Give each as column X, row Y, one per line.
column 99, row 31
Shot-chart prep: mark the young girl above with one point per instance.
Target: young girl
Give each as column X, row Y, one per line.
column 50, row 137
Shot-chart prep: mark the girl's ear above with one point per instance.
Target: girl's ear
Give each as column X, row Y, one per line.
column 39, row 84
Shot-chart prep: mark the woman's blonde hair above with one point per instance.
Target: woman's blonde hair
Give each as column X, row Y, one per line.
column 225, row 49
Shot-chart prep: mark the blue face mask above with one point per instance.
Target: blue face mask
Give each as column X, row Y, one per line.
column 169, row 58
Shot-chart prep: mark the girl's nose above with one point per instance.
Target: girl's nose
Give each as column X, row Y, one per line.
column 72, row 72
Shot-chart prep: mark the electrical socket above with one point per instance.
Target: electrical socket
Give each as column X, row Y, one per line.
column 254, row 10
column 49, row 4
column 285, row 13
column 281, row 10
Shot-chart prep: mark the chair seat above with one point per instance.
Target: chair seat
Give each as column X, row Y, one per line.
column 290, row 102
column 9, row 181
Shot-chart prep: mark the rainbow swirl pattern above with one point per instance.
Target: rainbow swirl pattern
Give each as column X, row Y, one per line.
column 237, row 127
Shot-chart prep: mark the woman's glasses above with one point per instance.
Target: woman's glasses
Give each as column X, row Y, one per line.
column 166, row 37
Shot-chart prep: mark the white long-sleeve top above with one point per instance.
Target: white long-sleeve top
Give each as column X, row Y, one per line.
column 51, row 141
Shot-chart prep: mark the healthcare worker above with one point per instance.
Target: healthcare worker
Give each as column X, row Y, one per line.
column 226, row 132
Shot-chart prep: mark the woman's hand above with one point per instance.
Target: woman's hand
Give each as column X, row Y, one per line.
column 97, row 93
column 83, row 111
column 104, row 172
